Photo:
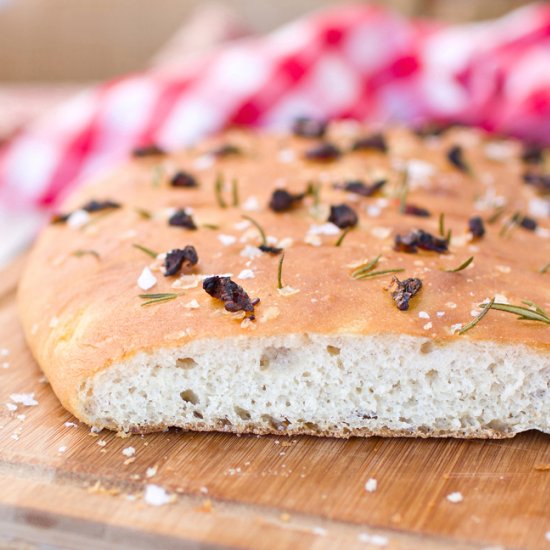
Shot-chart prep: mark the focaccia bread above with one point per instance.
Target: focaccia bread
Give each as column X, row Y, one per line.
column 311, row 282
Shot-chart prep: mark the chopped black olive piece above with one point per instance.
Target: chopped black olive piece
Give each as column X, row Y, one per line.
column 528, row 223
column 233, row 295
column 360, row 188
column 178, row 258
column 282, row 200
column 182, row 219
column 456, row 157
column 541, row 182
column 434, row 129
column 148, row 151
column 532, row 154
column 413, row 210
column 309, row 127
column 414, row 240
column 405, row 291
column 476, row 227
column 343, row 216
column 270, row 249
column 183, row 179
column 376, row 142
column 227, row 150
column 91, row 207
column 323, row 152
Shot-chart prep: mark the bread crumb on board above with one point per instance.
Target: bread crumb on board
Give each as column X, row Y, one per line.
column 155, row 495
column 374, row 540
column 455, row 497
column 371, row 485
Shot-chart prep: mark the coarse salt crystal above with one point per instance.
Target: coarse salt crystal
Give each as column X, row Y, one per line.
column 102, row 443
column 440, row 313
column 499, row 299
column 78, row 219
column 70, row 425
column 455, row 497
column 313, row 240
column 150, row 472
column 54, row 321
column 324, row 229
column 156, row 495
column 146, row 280
column 428, row 326
column 242, row 225
column 62, row 449
column 423, row 314
column 319, row 531
column 26, row 399
column 11, row 407
column 192, row 304
column 456, row 327
column 373, row 210
column 246, row 274
column 547, row 536
column 4, row 352
column 227, row 240
column 381, row 232
column 251, row 204
column 21, row 417
column 286, row 156
column 374, row 540
column 288, row 291
column 129, row 451
column 371, row 485
column 251, row 252
column 5, row 365
column 204, row 162
column 15, row 437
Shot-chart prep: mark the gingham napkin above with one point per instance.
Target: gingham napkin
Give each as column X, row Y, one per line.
column 361, row 61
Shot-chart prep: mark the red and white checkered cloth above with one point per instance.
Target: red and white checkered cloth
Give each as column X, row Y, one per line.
column 361, row 61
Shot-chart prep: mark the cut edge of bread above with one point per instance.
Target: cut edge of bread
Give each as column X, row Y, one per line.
column 330, row 385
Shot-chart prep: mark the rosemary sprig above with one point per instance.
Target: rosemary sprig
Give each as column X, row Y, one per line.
column 545, row 268
column 280, row 272
column 158, row 174
column 343, row 236
column 362, row 269
column 525, row 313
column 218, row 189
column 157, row 298
column 82, row 252
column 404, row 191
column 314, row 189
column 442, row 230
column 210, row 226
column 235, row 191
column 462, row 266
column 473, row 323
column 509, row 224
column 147, row 251
column 259, row 228
column 145, row 214
column 372, row 274
column 499, row 210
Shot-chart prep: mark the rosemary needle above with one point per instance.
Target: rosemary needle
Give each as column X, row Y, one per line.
column 462, row 266
column 362, row 269
column 218, row 189
column 259, row 228
column 372, row 274
column 473, row 323
column 147, row 251
column 157, row 298
column 545, row 268
column 280, row 272
column 343, row 236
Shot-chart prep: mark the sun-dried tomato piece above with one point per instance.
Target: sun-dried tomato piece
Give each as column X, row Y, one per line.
column 178, row 258
column 309, row 127
column 419, row 238
column 374, row 142
column 324, row 152
column 413, row 210
column 343, row 216
column 181, row 218
column 405, row 291
column 476, row 227
column 230, row 293
column 360, row 188
column 183, row 179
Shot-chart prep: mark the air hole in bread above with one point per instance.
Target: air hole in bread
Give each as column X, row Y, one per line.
column 274, row 357
column 333, row 350
column 432, row 375
column 311, row 426
column 243, row 414
column 186, row 363
column 427, row 347
column 197, row 414
column 189, row 396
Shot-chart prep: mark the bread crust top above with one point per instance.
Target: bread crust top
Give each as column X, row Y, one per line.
column 79, row 299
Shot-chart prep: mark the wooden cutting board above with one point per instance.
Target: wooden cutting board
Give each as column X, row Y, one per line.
column 62, row 485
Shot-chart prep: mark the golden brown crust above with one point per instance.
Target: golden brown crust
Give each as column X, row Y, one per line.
column 81, row 313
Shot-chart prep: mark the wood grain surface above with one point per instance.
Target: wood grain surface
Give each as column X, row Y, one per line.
column 63, row 486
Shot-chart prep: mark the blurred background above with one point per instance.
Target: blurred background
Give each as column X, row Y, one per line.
column 84, row 81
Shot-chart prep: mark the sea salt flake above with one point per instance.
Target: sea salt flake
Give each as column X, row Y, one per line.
column 54, row 321
column 146, row 280
column 150, row 472
column 193, row 304
column 242, row 225
column 381, row 232
column 204, row 162
column 129, row 451
column 319, row 531
column 455, row 497
column 251, row 204
column 251, row 252
column 78, row 218
column 4, row 352
column 455, row 328
column 62, row 449
column 428, row 326
column 26, row 399
column 157, row 496
column 423, row 315
column 11, row 407
column 374, row 540
column 70, row 425
column 440, row 313
column 324, row 229
column 21, row 417
column 102, row 443
column 288, row 290
column 246, row 274
column 227, row 240
column 371, row 485
column 285, row 156
column 373, row 210
column 313, row 240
